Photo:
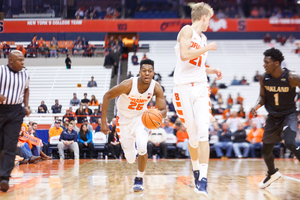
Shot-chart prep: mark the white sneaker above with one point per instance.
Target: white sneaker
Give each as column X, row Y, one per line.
column 270, row 179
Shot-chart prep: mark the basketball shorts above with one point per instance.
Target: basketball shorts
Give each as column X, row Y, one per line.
column 192, row 104
column 274, row 127
column 132, row 134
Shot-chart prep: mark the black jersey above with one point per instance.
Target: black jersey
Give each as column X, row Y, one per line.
column 279, row 95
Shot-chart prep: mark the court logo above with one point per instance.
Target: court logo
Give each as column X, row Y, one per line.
column 242, row 25
column 217, row 25
column 1, row 26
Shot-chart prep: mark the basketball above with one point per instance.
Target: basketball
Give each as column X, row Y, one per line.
column 152, row 118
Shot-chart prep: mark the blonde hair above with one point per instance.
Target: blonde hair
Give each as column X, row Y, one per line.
column 201, row 9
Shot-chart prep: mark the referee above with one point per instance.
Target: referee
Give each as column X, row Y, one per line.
column 14, row 82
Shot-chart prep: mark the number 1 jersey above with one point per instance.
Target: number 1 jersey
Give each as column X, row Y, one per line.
column 191, row 71
column 135, row 103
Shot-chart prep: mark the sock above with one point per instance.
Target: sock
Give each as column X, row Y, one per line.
column 203, row 170
column 195, row 164
column 140, row 174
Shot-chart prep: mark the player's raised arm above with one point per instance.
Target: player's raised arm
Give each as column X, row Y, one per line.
column 184, row 38
column 294, row 79
column 261, row 99
column 123, row 88
column 160, row 101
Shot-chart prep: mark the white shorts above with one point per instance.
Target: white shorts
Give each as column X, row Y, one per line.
column 193, row 107
column 132, row 131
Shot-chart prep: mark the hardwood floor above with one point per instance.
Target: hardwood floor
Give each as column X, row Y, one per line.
column 232, row 179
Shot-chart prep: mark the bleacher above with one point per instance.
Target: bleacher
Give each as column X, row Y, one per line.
column 234, row 57
column 48, row 83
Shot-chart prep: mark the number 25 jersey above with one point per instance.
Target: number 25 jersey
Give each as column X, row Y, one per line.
column 135, row 103
column 191, row 71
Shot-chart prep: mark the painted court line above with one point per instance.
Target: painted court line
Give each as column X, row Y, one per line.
column 291, row 178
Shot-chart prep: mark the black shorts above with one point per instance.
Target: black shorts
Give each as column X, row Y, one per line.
column 274, row 127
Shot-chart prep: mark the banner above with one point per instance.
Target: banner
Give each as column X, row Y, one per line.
column 147, row 25
column 35, row 141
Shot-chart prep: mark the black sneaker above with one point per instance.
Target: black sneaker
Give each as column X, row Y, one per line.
column 138, row 184
column 270, row 179
column 196, row 175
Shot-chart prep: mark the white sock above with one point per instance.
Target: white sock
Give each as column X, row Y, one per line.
column 195, row 164
column 203, row 170
column 140, row 174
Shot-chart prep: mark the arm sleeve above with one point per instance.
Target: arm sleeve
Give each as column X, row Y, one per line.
column 90, row 137
column 79, row 139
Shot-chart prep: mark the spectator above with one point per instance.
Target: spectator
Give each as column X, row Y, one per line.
column 84, row 43
column 92, row 83
column 6, row 49
column 168, row 129
column 98, row 128
column 283, row 40
column 157, row 138
column 42, row 108
column 56, row 130
column 66, row 123
column 240, row 142
column 214, row 91
column 53, row 47
column 244, row 81
column 116, row 53
column 68, row 140
column 229, row 101
column 68, row 116
column 239, row 99
column 129, row 75
column 56, row 108
column 135, row 44
column 89, row 127
column 220, row 14
column 134, row 59
column 40, row 43
column 109, row 59
column 85, row 101
column 94, row 101
column 80, row 114
column 214, row 130
column 113, row 143
column 224, row 142
column 255, row 138
column 88, row 51
column 262, row 12
column 291, row 39
column 144, row 57
column 259, row 120
column 44, row 50
column 50, row 10
column 95, row 116
column 220, row 99
column 87, row 111
column 100, row 109
column 68, row 62
column 183, row 140
column 77, row 45
column 233, row 122
column 75, row 128
column 34, row 40
column 25, row 149
column 213, row 110
column 256, row 77
column 267, row 38
column 85, row 139
column 241, row 112
column 254, row 12
column 278, row 38
column 75, row 101
column 235, row 82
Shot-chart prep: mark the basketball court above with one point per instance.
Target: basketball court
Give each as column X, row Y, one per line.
column 232, row 179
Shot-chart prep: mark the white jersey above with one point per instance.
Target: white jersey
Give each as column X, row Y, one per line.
column 135, row 103
column 191, row 71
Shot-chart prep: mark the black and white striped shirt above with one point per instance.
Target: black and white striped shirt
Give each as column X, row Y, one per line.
column 13, row 85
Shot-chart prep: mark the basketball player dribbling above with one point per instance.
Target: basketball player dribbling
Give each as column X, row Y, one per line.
column 277, row 94
column 134, row 95
column 191, row 92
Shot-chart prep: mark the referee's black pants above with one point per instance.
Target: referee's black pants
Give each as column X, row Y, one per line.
column 11, row 119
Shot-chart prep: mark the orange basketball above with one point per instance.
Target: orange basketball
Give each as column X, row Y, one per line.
column 152, row 118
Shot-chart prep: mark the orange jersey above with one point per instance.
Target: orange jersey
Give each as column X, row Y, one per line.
column 258, row 135
column 181, row 136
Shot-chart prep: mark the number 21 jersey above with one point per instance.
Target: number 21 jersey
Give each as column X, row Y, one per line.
column 191, row 71
column 135, row 103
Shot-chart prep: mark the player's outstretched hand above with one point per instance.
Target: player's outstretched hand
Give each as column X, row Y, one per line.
column 219, row 75
column 2, row 98
column 212, row 46
column 104, row 128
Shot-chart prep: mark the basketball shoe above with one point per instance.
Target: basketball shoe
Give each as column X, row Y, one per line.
column 138, row 184
column 270, row 179
column 196, row 176
column 201, row 187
